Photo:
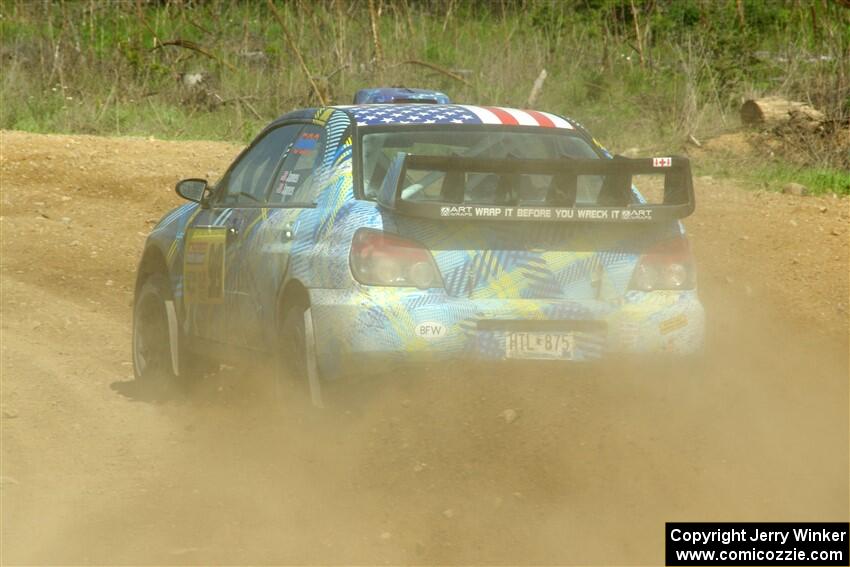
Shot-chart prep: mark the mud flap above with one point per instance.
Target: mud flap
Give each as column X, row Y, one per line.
column 171, row 314
column 312, row 367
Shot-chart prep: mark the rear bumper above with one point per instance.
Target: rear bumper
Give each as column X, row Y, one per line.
column 409, row 325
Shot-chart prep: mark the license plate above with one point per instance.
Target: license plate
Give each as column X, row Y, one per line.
column 538, row 345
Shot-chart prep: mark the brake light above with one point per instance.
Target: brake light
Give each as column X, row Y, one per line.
column 668, row 266
column 381, row 258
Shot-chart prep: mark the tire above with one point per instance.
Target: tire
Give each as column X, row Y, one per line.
column 297, row 358
column 152, row 357
column 293, row 359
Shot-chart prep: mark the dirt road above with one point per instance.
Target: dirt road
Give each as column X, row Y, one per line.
column 425, row 469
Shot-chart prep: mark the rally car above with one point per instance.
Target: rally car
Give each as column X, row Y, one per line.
column 420, row 230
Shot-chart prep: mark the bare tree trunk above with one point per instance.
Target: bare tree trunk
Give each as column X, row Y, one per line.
column 536, row 89
column 279, row 17
column 815, row 31
column 637, row 34
column 739, row 6
column 376, row 37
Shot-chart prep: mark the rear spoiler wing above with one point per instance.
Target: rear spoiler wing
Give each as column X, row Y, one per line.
column 616, row 200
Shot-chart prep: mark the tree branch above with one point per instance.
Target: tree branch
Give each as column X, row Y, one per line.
column 279, row 17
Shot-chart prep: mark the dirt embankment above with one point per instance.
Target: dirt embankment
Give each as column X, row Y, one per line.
column 425, row 469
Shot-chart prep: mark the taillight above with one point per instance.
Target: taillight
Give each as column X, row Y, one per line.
column 381, row 258
column 667, row 265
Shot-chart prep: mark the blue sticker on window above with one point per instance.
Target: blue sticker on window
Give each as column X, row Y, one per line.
column 306, row 143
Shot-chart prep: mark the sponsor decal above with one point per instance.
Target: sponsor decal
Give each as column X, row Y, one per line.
column 662, row 162
column 203, row 265
column 638, row 214
column 430, row 330
column 287, row 183
column 546, row 213
column 305, row 144
column 456, row 211
column 673, row 324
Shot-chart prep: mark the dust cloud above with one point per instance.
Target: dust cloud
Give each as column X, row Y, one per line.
column 520, row 464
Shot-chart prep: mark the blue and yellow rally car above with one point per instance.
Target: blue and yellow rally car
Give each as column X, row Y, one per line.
column 419, row 229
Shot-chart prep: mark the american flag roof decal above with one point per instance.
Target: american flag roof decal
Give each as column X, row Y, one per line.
column 399, row 114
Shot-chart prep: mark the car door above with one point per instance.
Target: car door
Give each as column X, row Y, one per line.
column 265, row 238
column 212, row 277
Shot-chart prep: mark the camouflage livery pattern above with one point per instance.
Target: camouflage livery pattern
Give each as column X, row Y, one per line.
column 573, row 273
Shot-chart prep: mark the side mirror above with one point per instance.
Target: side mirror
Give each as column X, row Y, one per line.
column 192, row 189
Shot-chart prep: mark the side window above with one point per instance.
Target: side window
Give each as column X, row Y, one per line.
column 248, row 181
column 294, row 181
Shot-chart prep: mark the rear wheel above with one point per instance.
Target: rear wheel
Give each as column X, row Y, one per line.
column 297, row 352
column 155, row 352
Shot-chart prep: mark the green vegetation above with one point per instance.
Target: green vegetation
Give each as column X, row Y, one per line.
column 773, row 176
column 639, row 73
column 818, row 180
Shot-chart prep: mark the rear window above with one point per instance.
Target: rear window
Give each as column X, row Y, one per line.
column 378, row 149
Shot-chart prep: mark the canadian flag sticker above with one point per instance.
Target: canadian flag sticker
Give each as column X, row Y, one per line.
column 662, row 162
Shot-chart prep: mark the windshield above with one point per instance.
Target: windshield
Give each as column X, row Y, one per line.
column 378, row 150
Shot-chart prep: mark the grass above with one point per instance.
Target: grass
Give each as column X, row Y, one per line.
column 774, row 177
column 647, row 78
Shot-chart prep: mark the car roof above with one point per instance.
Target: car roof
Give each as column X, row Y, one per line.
column 402, row 114
column 407, row 114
